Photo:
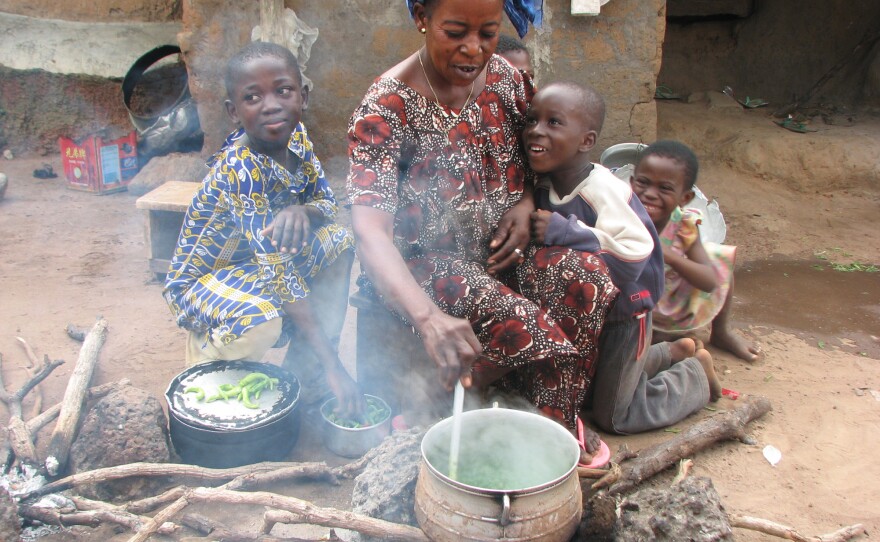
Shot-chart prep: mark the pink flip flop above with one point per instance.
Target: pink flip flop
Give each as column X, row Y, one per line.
column 603, row 454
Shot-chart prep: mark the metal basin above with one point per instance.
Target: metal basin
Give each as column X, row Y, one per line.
column 356, row 441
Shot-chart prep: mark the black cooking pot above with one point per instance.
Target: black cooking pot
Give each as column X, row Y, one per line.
column 222, row 434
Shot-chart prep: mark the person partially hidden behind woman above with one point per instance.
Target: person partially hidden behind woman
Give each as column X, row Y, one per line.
column 258, row 242
column 440, row 201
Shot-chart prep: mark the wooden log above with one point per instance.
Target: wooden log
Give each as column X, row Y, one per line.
column 89, row 518
column 163, row 469
column 727, row 425
column 314, row 515
column 37, row 406
column 790, row 533
column 302, row 471
column 149, row 504
column 159, row 519
column 13, row 400
column 21, row 442
column 47, row 367
column 20, row 438
column 74, row 399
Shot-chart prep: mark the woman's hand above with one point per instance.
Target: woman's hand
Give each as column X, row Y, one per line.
column 291, row 228
column 512, row 235
column 453, row 346
column 350, row 402
column 450, row 342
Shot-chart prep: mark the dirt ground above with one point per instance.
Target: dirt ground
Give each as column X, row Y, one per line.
column 69, row 256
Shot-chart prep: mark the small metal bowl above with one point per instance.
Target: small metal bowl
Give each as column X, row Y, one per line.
column 353, row 442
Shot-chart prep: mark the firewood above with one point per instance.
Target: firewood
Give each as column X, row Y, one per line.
column 31, row 367
column 89, row 518
column 301, row 471
column 311, row 471
column 728, row 425
column 613, row 475
column 74, row 399
column 13, row 401
column 790, row 533
column 153, row 525
column 149, row 504
column 313, row 515
column 21, row 442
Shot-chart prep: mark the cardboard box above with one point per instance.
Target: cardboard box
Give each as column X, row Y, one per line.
column 99, row 166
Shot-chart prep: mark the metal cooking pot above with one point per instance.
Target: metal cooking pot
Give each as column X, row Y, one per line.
column 534, row 462
column 223, row 434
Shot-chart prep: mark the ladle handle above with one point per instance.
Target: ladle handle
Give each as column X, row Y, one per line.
column 505, row 511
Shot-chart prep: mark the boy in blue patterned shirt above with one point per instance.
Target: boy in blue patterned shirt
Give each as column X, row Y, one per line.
column 259, row 238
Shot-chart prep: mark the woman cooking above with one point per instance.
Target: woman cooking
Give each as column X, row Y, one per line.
column 440, row 199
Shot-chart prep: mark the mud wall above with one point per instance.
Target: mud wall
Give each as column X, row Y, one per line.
column 779, row 52
column 617, row 52
column 147, row 11
column 36, row 107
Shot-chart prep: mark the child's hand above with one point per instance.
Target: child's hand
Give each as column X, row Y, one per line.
column 540, row 221
column 670, row 257
column 290, row 229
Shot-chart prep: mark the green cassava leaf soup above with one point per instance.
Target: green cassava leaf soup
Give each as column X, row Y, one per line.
column 503, row 457
column 376, row 412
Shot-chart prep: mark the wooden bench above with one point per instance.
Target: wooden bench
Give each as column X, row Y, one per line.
column 166, row 206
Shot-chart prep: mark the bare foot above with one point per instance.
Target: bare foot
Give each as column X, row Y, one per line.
column 705, row 359
column 724, row 339
column 588, row 440
column 682, row 349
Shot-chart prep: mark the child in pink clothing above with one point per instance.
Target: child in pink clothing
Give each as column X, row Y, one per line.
column 699, row 277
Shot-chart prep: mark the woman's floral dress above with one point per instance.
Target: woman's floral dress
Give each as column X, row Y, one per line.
column 448, row 180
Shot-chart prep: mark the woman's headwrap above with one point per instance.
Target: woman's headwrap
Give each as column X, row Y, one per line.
column 520, row 13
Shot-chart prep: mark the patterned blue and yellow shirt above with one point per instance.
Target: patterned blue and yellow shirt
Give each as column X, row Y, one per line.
column 223, row 268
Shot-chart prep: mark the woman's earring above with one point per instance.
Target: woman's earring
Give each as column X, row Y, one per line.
column 423, row 30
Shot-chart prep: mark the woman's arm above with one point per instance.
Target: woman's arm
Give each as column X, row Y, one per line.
column 694, row 268
column 449, row 341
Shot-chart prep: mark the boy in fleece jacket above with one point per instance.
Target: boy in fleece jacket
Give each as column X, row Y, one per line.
column 583, row 206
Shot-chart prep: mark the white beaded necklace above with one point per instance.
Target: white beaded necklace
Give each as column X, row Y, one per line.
column 437, row 100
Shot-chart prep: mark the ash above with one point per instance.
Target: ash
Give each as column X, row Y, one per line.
column 18, row 482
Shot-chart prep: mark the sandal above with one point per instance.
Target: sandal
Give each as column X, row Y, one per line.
column 793, row 125
column 45, row 172
column 602, row 455
column 663, row 92
column 748, row 103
